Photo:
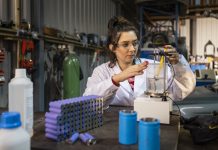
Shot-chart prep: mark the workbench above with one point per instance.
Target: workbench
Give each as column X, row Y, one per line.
column 106, row 135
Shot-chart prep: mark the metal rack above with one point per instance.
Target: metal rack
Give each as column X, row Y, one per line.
column 161, row 10
column 68, row 40
column 11, row 34
column 7, row 34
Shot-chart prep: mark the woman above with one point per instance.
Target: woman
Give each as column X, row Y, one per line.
column 122, row 79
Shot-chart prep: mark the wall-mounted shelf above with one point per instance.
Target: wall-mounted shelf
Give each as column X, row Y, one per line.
column 68, row 40
column 11, row 34
column 8, row 34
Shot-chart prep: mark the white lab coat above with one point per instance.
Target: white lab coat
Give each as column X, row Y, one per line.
column 100, row 83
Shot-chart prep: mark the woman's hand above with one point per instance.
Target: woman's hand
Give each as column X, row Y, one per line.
column 173, row 57
column 131, row 71
column 171, row 54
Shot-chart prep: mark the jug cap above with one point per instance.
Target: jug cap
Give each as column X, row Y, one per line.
column 10, row 120
column 20, row 72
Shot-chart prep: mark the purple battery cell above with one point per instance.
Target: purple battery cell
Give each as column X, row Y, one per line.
column 51, row 126
column 91, row 138
column 55, row 110
column 51, row 131
column 51, row 115
column 51, row 136
column 83, row 138
column 73, row 138
column 56, row 104
column 51, row 121
column 88, row 140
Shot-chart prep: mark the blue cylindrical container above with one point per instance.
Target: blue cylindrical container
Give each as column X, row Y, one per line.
column 149, row 134
column 127, row 127
column 12, row 135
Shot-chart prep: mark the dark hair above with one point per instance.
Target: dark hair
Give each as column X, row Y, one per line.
column 116, row 25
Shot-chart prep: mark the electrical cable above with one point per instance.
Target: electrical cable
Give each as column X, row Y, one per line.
column 169, row 85
column 174, row 74
column 180, row 114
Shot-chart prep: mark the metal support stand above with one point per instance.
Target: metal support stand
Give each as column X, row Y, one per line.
column 38, row 75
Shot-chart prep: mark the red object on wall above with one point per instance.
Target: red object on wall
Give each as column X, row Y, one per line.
column 27, row 47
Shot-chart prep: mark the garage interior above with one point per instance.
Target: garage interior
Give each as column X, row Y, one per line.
column 39, row 35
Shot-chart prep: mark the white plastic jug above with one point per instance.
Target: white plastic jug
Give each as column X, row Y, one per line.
column 21, row 98
column 12, row 135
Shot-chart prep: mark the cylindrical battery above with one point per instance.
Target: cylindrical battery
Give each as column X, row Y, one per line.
column 149, row 134
column 73, row 138
column 51, row 136
column 83, row 138
column 127, row 127
column 51, row 115
column 91, row 138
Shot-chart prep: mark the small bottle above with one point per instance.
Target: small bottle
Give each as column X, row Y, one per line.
column 21, row 98
column 12, row 135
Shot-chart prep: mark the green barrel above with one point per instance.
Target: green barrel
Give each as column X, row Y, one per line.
column 71, row 73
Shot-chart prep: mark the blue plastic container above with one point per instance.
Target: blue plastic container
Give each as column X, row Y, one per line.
column 149, row 134
column 12, row 135
column 127, row 127
column 9, row 120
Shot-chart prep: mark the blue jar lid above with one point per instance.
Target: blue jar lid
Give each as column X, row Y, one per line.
column 127, row 113
column 149, row 121
column 10, row 120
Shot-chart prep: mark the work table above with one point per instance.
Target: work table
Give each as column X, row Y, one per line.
column 106, row 135
column 173, row 136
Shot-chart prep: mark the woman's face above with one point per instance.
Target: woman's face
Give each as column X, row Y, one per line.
column 126, row 48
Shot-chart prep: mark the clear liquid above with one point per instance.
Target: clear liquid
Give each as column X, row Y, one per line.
column 21, row 100
column 155, row 85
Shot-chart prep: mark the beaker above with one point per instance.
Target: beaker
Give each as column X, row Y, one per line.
column 156, row 78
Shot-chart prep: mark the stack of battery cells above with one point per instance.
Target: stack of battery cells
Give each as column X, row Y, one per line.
column 73, row 115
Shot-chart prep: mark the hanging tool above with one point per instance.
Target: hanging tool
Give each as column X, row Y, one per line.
column 2, row 77
column 209, row 57
column 2, row 57
column 27, row 47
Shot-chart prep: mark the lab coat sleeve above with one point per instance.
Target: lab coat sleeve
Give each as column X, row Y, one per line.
column 184, row 80
column 100, row 83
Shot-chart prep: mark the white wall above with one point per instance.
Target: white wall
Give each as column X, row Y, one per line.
column 204, row 29
column 88, row 16
column 184, row 30
column 207, row 29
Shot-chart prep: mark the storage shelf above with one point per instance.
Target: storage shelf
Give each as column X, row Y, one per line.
column 11, row 34
column 8, row 34
column 68, row 40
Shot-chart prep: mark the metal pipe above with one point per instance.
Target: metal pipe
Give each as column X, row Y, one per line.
column 15, row 16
